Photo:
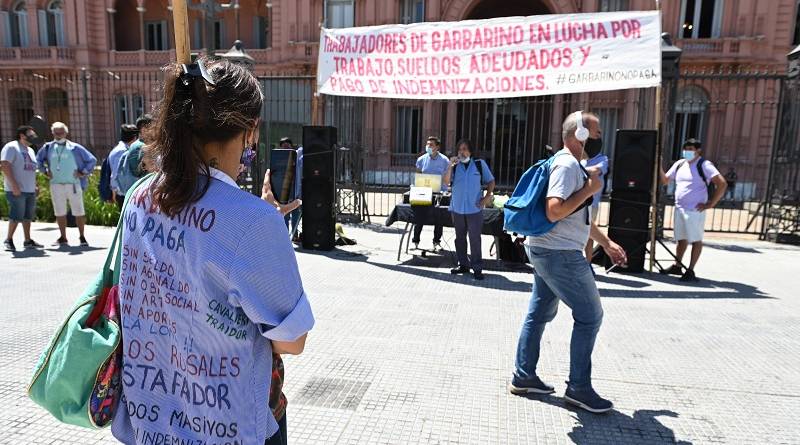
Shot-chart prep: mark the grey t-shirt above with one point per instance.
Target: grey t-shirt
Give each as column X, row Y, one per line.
column 23, row 165
column 572, row 232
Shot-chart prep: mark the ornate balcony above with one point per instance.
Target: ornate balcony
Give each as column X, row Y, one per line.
column 49, row 56
column 730, row 48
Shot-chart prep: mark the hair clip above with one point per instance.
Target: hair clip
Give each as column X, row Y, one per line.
column 197, row 69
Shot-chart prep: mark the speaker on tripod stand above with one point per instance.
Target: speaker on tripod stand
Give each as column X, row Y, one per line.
column 632, row 182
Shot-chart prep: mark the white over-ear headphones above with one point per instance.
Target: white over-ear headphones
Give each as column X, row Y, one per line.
column 581, row 133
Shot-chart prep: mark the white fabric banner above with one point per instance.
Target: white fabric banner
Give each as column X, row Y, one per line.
column 503, row 57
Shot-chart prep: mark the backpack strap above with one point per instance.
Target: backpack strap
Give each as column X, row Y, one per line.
column 700, row 169
column 478, row 165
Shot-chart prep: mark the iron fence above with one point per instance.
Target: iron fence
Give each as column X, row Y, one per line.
column 735, row 114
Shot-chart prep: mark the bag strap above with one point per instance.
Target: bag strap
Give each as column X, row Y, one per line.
column 700, row 170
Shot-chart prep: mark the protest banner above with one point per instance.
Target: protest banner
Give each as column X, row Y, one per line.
column 502, row 57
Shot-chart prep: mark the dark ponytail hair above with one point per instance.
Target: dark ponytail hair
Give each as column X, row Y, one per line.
column 193, row 113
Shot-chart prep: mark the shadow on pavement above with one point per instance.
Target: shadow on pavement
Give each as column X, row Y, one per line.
column 615, row 427
column 491, row 281
column 337, row 254
column 29, row 253
column 703, row 289
column 730, row 248
column 75, row 250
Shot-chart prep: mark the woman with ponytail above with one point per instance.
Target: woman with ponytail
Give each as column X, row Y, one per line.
column 210, row 293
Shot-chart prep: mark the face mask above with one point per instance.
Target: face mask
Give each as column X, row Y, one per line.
column 593, row 147
column 463, row 159
column 689, row 155
column 429, row 151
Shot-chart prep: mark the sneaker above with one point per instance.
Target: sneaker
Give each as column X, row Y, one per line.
column 60, row 242
column 478, row 275
column 416, row 245
column 31, row 244
column 588, row 399
column 533, row 385
column 9, row 245
column 437, row 246
column 673, row 270
column 459, row 270
column 84, row 243
column 689, row 276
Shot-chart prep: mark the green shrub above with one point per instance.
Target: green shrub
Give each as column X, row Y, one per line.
column 98, row 213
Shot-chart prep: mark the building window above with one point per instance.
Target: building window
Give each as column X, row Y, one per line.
column 340, row 13
column 197, row 39
column 20, row 102
column 691, row 115
column 155, row 35
column 609, row 122
column 261, row 33
column 701, row 19
column 56, row 106
column 51, row 25
column 219, row 34
column 127, row 108
column 614, row 5
column 796, row 38
column 407, row 135
column 412, row 11
column 18, row 25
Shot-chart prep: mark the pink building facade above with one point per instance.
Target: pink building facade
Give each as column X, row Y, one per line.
column 94, row 64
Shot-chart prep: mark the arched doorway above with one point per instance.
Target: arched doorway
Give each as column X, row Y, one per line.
column 510, row 133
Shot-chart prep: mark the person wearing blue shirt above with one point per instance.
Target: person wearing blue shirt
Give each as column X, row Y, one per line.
column 432, row 163
column 596, row 163
column 466, row 184
column 128, row 135
column 68, row 165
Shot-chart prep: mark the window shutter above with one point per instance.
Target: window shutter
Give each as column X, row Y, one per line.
column 23, row 29
column 42, row 23
column 198, row 34
column 164, row 36
column 257, row 32
column 60, row 37
column 5, row 22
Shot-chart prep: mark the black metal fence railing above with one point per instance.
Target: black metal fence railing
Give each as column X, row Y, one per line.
column 748, row 128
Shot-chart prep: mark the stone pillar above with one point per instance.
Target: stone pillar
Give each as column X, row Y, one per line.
column 140, row 9
column 112, row 35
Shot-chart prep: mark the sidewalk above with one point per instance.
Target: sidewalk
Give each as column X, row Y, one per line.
column 405, row 353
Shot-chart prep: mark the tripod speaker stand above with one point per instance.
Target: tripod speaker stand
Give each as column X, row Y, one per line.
column 631, row 223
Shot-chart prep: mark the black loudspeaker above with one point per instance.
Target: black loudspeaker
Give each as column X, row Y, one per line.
column 628, row 226
column 319, row 193
column 318, row 146
column 634, row 155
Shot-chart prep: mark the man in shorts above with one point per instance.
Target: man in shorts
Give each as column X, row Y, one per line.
column 692, row 176
column 68, row 165
column 18, row 163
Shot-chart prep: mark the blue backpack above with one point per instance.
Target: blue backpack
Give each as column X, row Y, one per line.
column 524, row 213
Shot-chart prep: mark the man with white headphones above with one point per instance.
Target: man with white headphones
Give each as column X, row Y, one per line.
column 561, row 271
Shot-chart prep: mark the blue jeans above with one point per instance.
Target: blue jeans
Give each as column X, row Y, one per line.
column 563, row 275
column 21, row 208
column 292, row 219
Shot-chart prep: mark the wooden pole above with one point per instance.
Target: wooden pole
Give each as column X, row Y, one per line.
column 656, row 168
column 180, row 20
